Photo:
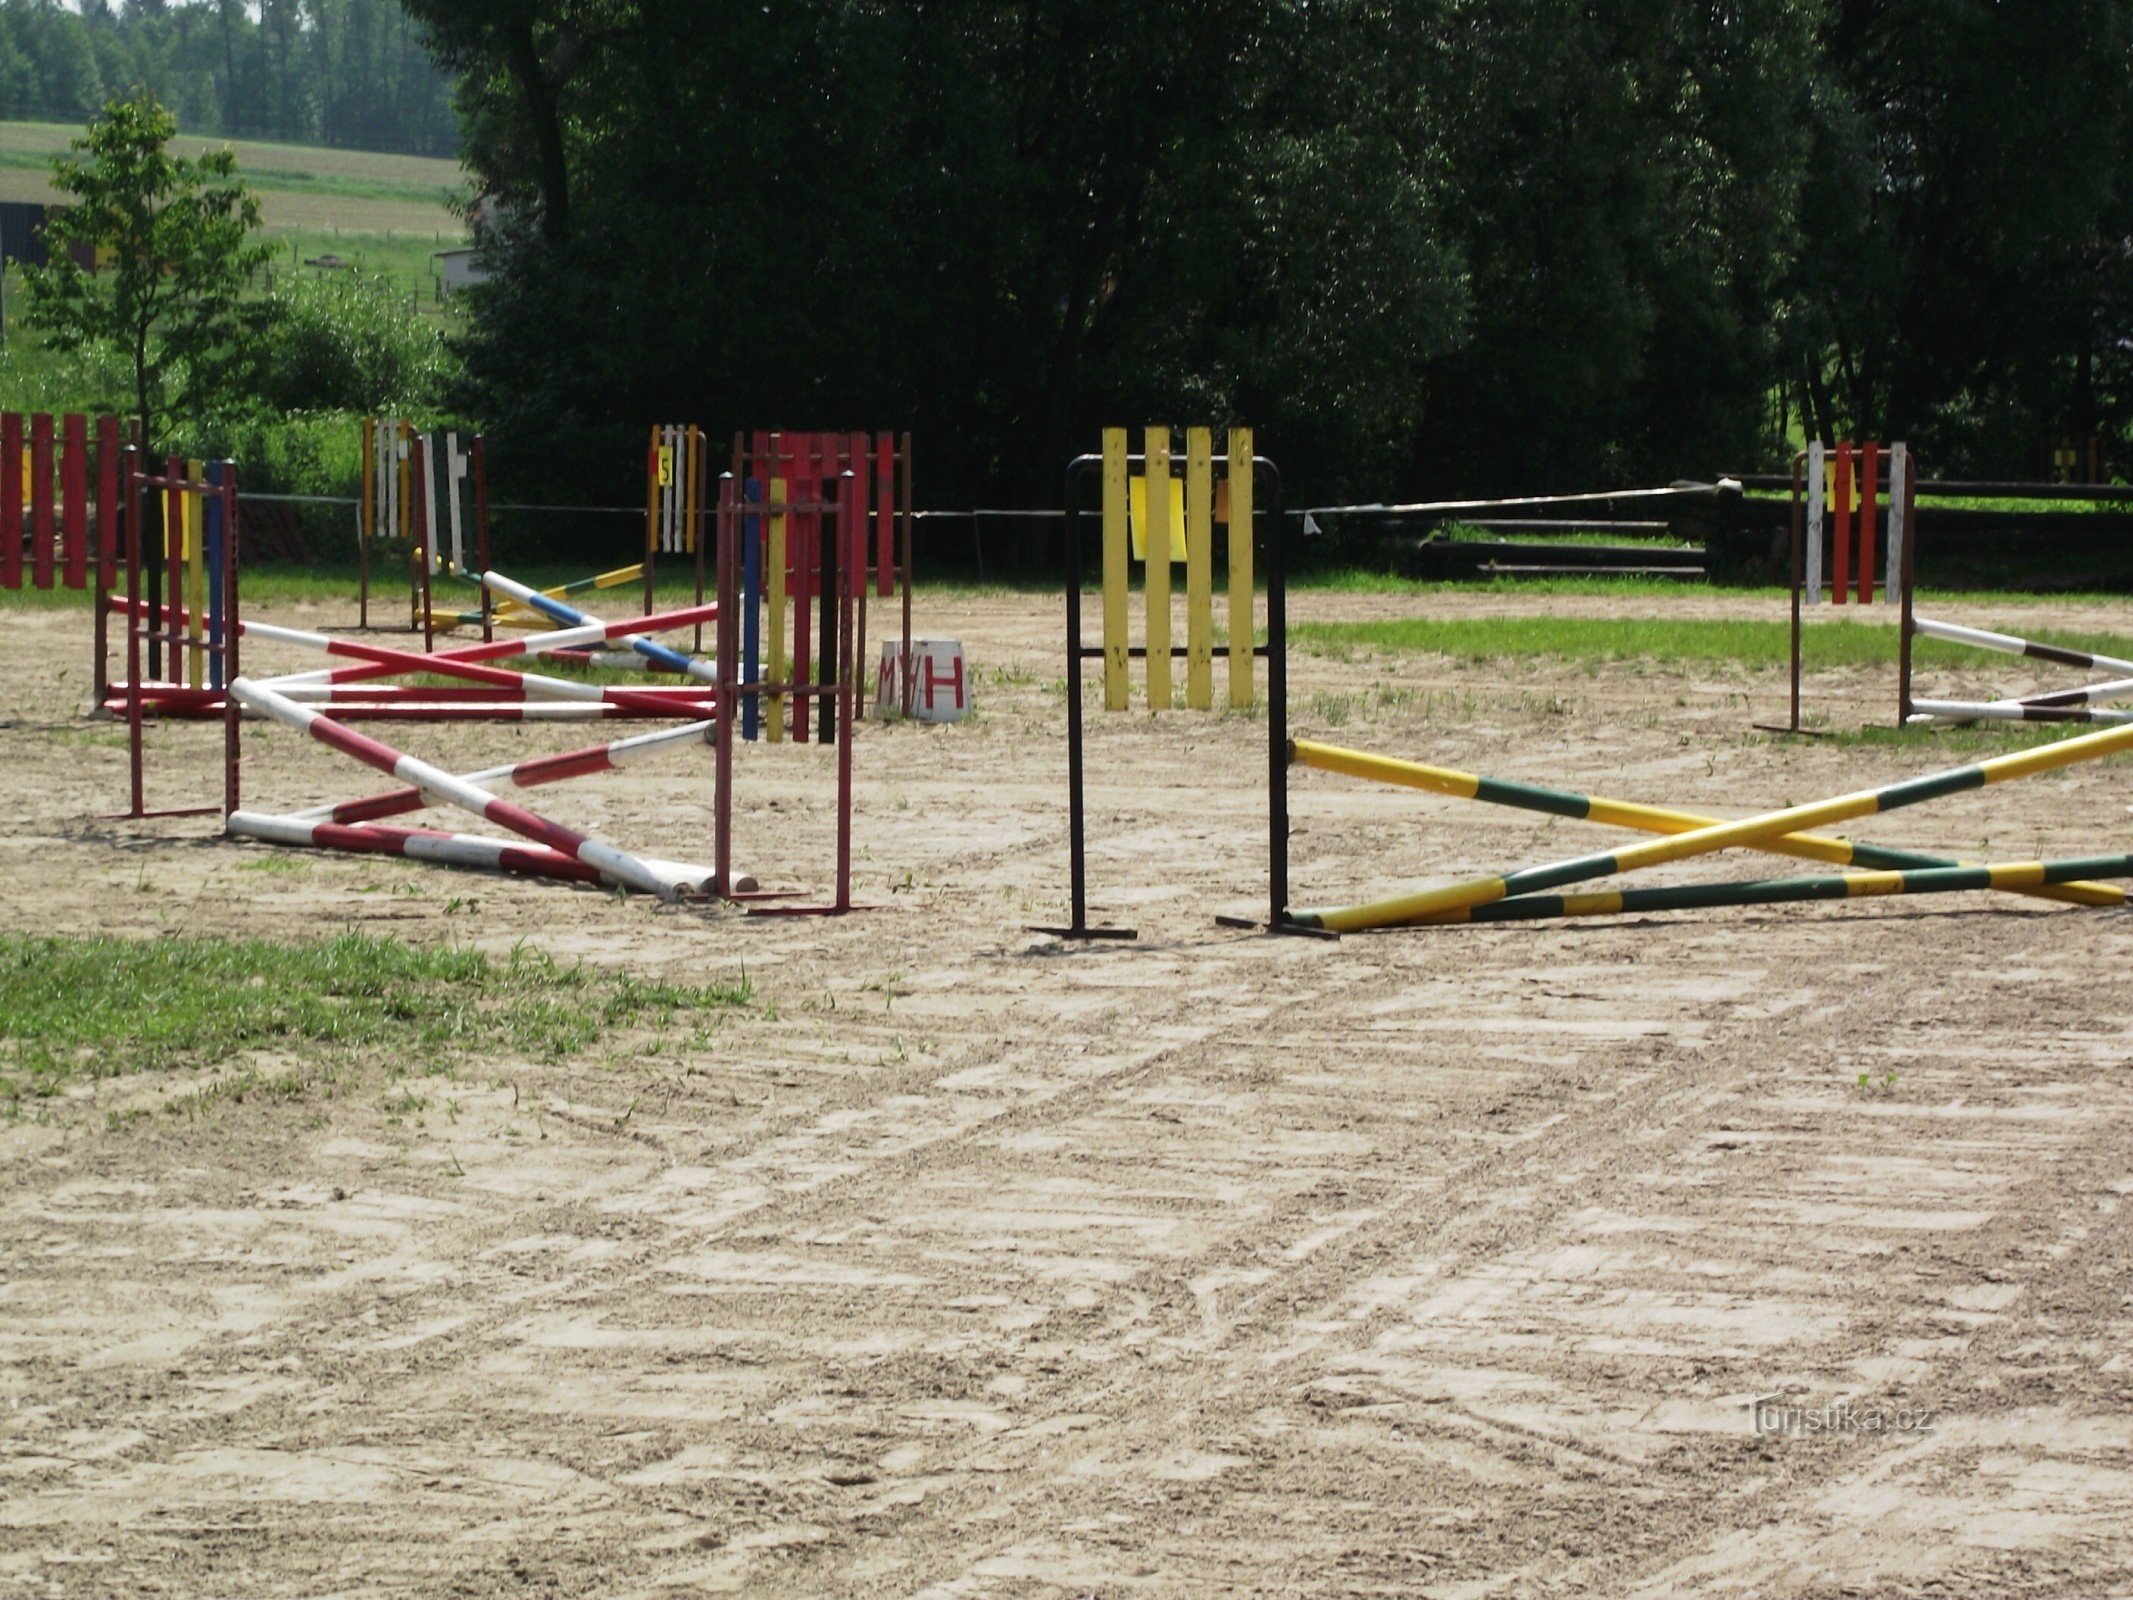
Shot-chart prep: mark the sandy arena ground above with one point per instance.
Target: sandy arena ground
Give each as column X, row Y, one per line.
column 966, row 1263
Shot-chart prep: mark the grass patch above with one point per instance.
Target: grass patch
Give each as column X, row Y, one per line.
column 99, row 1007
column 1683, row 641
column 1609, row 538
column 1365, row 580
column 1977, row 738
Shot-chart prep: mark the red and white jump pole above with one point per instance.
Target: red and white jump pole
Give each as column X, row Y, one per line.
column 524, row 775
column 533, row 685
column 449, row 849
column 540, row 644
column 619, row 865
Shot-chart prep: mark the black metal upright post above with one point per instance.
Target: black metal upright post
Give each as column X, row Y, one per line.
column 223, row 475
column 1909, row 576
column 1276, row 567
column 1277, row 702
column 1077, row 477
column 1796, row 578
column 1799, row 581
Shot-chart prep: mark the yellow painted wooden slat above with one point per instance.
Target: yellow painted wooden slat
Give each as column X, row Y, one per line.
column 1117, row 682
column 1156, row 574
column 1199, row 562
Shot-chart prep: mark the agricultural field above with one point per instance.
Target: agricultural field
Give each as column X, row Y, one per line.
column 384, row 214
column 300, row 186
column 486, row 1237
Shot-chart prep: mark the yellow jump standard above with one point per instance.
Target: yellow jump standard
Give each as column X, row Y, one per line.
column 1652, row 819
column 1473, row 892
column 1216, row 488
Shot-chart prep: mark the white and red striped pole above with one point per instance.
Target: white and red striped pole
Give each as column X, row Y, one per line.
column 533, row 684
column 591, row 633
column 616, row 864
column 449, row 849
column 1925, row 711
column 207, row 703
column 694, row 699
column 2013, row 645
column 524, row 775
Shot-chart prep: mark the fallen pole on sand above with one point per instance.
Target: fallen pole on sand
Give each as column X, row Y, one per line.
column 2013, row 645
column 619, row 865
column 1643, row 818
column 1410, row 908
column 533, row 684
column 2018, row 876
column 2009, row 711
column 448, row 849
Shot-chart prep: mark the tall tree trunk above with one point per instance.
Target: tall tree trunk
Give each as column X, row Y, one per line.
column 140, row 394
column 544, row 111
column 1814, row 397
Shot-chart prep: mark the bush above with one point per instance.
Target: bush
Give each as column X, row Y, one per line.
column 344, row 342
column 309, row 453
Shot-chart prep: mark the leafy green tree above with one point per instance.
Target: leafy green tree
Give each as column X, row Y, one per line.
column 338, row 72
column 1962, row 277
column 343, row 342
column 998, row 225
column 522, row 60
column 173, row 237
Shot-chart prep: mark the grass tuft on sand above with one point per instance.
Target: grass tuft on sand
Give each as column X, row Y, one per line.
column 98, row 1007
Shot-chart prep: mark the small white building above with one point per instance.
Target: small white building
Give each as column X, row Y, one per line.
column 455, row 269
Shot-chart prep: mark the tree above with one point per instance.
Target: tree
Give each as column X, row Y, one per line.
column 173, row 239
column 1963, row 280
column 540, row 48
column 997, row 225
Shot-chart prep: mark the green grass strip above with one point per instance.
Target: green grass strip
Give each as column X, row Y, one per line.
column 344, row 186
column 1672, row 641
column 99, row 1007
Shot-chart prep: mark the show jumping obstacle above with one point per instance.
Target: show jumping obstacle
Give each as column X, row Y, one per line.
column 2081, row 704
column 1642, row 818
column 1209, row 489
column 202, row 624
column 1682, row 834
column 784, row 486
column 1837, row 495
column 46, row 524
column 424, row 498
column 182, row 522
column 1458, row 901
column 1836, row 491
column 676, row 477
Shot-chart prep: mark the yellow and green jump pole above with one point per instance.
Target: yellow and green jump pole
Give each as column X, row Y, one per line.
column 1225, row 488
column 1748, row 831
column 1652, row 819
column 2017, row 876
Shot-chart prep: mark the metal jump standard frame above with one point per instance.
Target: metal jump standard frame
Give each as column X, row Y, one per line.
column 1271, row 543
